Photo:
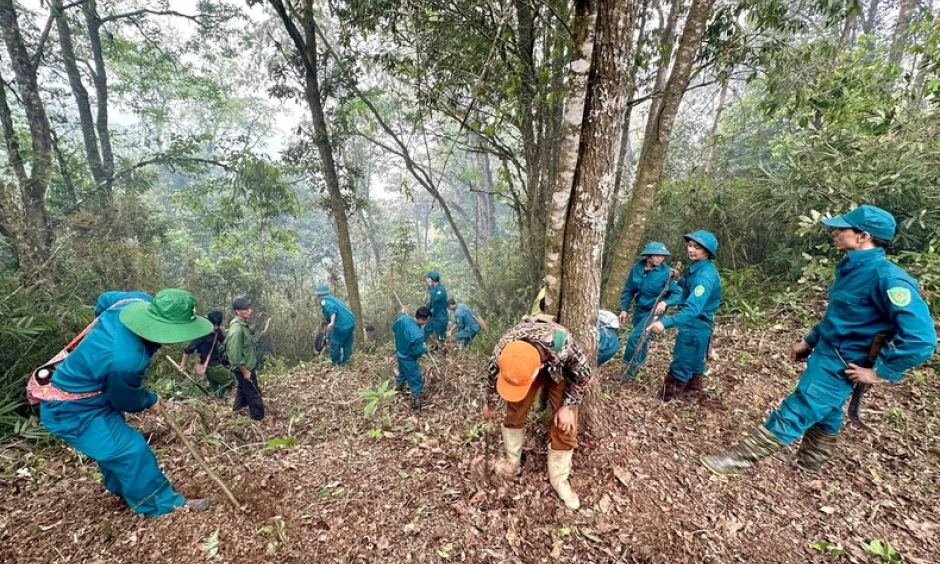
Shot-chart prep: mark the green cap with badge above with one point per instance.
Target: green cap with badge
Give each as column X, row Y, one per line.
column 870, row 219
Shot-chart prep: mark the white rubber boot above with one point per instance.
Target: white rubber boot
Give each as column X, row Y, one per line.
column 559, row 468
column 513, row 439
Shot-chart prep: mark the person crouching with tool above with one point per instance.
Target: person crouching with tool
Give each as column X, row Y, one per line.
column 871, row 297
column 103, row 378
column 650, row 288
column 532, row 355
column 409, row 347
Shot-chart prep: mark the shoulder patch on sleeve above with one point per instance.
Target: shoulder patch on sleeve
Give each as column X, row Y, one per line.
column 322, row 302
column 899, row 296
column 699, row 290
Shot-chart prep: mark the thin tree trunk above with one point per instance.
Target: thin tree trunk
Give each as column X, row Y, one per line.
column 901, row 29
column 525, row 50
column 417, row 172
column 34, row 243
column 650, row 168
column 100, row 78
column 82, row 103
column 306, row 46
column 625, row 128
column 662, row 73
column 485, row 205
column 722, row 98
column 920, row 77
column 64, row 171
column 869, row 24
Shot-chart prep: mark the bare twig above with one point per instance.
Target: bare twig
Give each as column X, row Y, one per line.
column 174, row 426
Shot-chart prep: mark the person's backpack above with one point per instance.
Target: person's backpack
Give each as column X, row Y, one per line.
column 37, row 387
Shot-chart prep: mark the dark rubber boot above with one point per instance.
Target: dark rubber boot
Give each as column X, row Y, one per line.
column 815, row 450
column 757, row 445
column 672, row 388
column 416, row 403
column 693, row 388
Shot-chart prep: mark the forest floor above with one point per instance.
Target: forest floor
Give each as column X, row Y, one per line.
column 324, row 483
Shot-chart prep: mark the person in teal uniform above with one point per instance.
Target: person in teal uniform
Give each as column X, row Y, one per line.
column 409, row 347
column 341, row 324
column 437, row 305
column 466, row 322
column 649, row 278
column 608, row 340
column 869, row 296
column 103, row 378
column 695, row 319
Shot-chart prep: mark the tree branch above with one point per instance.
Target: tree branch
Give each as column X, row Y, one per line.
column 198, row 19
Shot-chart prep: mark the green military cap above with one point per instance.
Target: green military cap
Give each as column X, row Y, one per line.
column 871, row 219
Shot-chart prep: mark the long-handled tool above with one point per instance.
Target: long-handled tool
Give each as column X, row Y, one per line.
column 174, row 426
column 645, row 335
column 488, row 449
column 185, row 375
column 859, row 390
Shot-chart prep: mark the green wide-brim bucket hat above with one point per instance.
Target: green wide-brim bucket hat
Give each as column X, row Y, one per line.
column 169, row 318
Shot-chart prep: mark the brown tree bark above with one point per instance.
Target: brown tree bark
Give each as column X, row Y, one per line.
column 722, row 98
column 82, row 104
column 100, row 78
column 306, row 46
column 625, row 147
column 584, row 29
column 594, row 109
column 667, row 45
column 649, row 171
column 26, row 219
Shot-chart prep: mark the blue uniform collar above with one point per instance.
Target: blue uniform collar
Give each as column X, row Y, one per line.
column 853, row 259
column 865, row 254
column 641, row 263
column 698, row 265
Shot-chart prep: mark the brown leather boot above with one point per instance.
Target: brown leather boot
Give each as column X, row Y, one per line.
column 693, row 388
column 672, row 388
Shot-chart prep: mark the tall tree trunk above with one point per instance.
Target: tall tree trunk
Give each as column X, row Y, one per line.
column 869, row 24
column 662, row 72
column 625, row 156
column 650, row 168
column 100, row 78
column 920, row 76
column 485, row 204
column 525, row 50
column 34, row 241
column 622, row 161
column 82, row 104
column 584, row 188
column 306, row 46
column 584, row 30
column 901, row 29
column 713, row 141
